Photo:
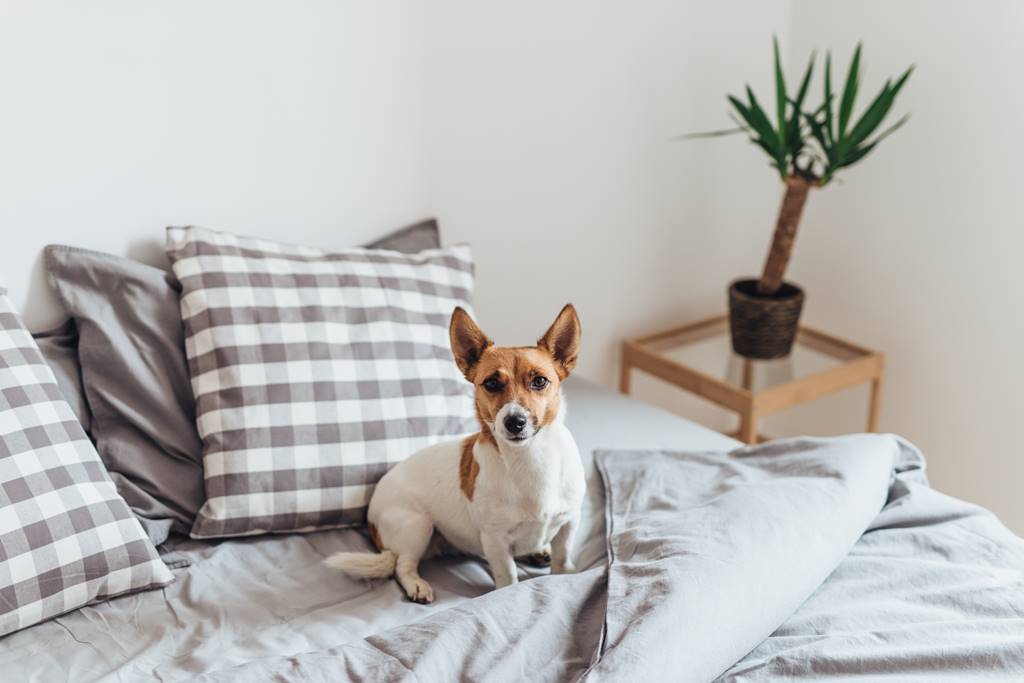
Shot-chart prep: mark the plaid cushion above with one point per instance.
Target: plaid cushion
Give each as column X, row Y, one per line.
column 67, row 538
column 313, row 373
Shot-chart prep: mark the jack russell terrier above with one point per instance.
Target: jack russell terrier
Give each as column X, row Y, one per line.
column 515, row 488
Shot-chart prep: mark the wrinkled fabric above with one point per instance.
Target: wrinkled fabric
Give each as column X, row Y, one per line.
column 933, row 590
column 710, row 554
column 801, row 558
column 241, row 600
column 784, row 548
column 59, row 347
column 707, row 555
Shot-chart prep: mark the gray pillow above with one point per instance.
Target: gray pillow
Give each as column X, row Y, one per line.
column 59, row 347
column 417, row 237
column 132, row 357
column 135, row 380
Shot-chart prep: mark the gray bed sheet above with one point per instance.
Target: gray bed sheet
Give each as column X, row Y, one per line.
column 241, row 600
column 812, row 559
column 802, row 559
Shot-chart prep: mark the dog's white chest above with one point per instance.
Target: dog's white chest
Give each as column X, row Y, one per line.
column 529, row 502
column 531, row 536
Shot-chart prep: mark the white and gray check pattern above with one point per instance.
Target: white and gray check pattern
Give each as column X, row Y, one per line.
column 314, row 372
column 67, row 539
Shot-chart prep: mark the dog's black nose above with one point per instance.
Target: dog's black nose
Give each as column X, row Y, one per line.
column 515, row 424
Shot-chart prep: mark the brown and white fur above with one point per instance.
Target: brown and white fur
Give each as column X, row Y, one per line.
column 515, row 488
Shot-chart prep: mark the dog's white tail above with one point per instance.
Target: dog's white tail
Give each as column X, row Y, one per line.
column 364, row 565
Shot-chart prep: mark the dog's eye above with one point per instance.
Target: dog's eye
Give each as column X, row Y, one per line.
column 492, row 384
column 539, row 382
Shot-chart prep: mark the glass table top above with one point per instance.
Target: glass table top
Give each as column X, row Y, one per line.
column 705, row 347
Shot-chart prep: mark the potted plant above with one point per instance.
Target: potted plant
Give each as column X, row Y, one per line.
column 807, row 148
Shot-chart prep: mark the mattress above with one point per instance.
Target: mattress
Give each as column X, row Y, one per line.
column 239, row 600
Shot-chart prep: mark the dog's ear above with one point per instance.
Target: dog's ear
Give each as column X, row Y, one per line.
column 468, row 341
column 562, row 340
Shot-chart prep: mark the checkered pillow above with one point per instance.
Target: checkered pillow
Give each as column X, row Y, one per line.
column 313, row 373
column 67, row 538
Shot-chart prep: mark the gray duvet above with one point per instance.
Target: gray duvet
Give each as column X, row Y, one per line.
column 807, row 558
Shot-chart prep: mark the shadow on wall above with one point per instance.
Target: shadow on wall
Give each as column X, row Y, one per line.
column 38, row 290
column 148, row 251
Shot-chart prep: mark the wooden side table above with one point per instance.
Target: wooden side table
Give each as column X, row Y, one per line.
column 819, row 365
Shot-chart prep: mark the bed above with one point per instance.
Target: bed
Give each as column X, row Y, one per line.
column 165, row 454
column 800, row 559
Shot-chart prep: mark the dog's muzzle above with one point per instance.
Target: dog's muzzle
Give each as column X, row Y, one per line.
column 514, row 423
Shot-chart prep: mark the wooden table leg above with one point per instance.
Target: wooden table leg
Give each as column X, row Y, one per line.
column 748, row 427
column 874, row 404
column 624, row 377
column 748, row 374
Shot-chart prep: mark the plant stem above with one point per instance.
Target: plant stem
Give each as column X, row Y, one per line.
column 785, row 234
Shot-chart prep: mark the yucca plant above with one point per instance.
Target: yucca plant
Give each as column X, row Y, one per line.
column 808, row 147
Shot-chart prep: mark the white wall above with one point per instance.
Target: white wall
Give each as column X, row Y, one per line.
column 920, row 252
column 540, row 132
column 289, row 119
column 549, row 146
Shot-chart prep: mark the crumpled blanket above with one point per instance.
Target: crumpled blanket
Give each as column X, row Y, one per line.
column 803, row 557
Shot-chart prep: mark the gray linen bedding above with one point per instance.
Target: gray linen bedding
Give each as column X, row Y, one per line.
column 802, row 558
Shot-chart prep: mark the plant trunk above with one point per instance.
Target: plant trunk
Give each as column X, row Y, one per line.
column 785, row 234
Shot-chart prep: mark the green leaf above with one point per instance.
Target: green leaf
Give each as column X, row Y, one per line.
column 855, row 156
column 769, row 150
column 780, row 93
column 794, row 133
column 849, row 92
column 891, row 129
column 829, row 97
column 820, row 134
column 860, row 152
column 742, row 125
column 903, row 79
column 710, row 134
column 759, row 119
column 872, row 116
column 817, row 112
column 875, row 113
column 762, row 134
column 763, row 126
column 798, row 103
column 756, row 124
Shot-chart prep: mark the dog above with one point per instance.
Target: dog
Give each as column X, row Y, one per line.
column 513, row 489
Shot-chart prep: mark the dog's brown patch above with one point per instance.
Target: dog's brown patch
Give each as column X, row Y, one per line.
column 487, row 436
column 375, row 536
column 551, row 410
column 468, row 467
column 562, row 340
column 468, row 341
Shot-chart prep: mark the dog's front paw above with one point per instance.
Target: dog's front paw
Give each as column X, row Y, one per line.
column 420, row 591
column 566, row 568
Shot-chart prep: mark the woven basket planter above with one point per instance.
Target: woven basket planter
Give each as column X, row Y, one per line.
column 763, row 327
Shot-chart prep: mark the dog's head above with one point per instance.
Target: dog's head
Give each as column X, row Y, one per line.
column 517, row 388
